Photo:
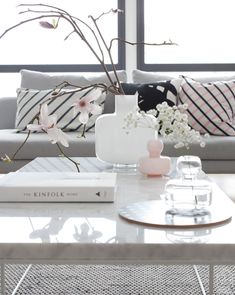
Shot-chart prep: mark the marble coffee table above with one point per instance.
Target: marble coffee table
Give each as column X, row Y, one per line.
column 93, row 233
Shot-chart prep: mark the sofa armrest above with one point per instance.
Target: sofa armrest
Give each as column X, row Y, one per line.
column 7, row 112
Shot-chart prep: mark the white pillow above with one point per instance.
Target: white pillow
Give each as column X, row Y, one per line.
column 43, row 81
column 139, row 76
column 28, row 106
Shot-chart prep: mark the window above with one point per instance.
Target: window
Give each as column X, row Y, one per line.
column 33, row 47
column 203, row 30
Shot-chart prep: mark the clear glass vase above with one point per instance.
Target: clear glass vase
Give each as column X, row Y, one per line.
column 113, row 143
column 190, row 194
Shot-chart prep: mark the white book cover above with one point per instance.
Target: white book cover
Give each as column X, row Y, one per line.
column 57, row 187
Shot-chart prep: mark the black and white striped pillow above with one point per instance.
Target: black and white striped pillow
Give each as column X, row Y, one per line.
column 28, row 106
column 211, row 106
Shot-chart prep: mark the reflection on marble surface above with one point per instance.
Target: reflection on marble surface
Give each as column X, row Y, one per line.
column 86, row 233
column 194, row 218
column 157, row 213
column 50, row 229
column 189, row 236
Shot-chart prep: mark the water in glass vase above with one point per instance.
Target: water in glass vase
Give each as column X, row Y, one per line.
column 190, row 193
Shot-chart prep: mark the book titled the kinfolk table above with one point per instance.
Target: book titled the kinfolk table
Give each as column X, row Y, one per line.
column 57, row 187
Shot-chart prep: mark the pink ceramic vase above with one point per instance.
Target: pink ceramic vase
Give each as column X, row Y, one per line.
column 155, row 164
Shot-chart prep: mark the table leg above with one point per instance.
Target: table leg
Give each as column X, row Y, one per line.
column 199, row 280
column 21, row 280
column 3, row 287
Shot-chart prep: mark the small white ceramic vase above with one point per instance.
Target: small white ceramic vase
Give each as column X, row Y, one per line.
column 113, row 143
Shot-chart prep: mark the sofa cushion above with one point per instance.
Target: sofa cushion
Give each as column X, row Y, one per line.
column 217, row 148
column 211, row 106
column 152, row 94
column 39, row 145
column 30, row 100
column 7, row 112
column 139, row 76
column 43, row 81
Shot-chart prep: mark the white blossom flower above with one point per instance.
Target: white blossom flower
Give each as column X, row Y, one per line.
column 57, row 135
column 170, row 122
column 86, row 105
column 47, row 123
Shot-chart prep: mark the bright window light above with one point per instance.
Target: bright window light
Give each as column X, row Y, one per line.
column 32, row 44
column 203, row 29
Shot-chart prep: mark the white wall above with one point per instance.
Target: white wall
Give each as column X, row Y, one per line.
column 131, row 35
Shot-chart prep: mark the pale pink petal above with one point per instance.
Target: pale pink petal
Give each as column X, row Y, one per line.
column 75, row 111
column 57, row 135
column 51, row 120
column 52, row 133
column 81, row 105
column 63, row 138
column 83, row 117
column 43, row 117
column 34, row 127
column 95, row 109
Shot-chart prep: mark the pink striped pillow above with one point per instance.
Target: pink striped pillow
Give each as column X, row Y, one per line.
column 211, row 106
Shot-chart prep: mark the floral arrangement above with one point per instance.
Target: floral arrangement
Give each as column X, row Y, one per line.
column 50, row 17
column 170, row 122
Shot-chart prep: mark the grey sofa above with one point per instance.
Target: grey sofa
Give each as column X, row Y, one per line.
column 217, row 157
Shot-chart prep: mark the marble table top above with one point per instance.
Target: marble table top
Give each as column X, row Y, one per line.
column 95, row 233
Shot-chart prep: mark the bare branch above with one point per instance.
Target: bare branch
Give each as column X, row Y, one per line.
column 164, row 43
column 112, row 10
column 24, row 22
column 66, row 37
column 67, row 157
column 20, row 147
column 109, row 54
column 58, row 89
column 72, row 20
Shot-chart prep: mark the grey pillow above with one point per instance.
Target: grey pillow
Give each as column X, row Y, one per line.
column 140, row 77
column 43, row 81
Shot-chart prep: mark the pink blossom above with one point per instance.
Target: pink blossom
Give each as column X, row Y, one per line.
column 86, row 105
column 47, row 25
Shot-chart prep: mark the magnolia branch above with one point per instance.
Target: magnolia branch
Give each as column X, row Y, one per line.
column 58, row 89
column 72, row 20
column 164, row 43
column 70, row 159
column 112, row 10
column 24, row 22
column 109, row 53
column 20, row 147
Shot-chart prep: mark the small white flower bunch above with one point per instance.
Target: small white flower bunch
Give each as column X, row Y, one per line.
column 170, row 122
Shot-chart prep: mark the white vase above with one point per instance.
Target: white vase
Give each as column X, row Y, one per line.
column 113, row 144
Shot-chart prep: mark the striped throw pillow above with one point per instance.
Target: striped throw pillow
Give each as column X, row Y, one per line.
column 211, row 106
column 28, row 106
